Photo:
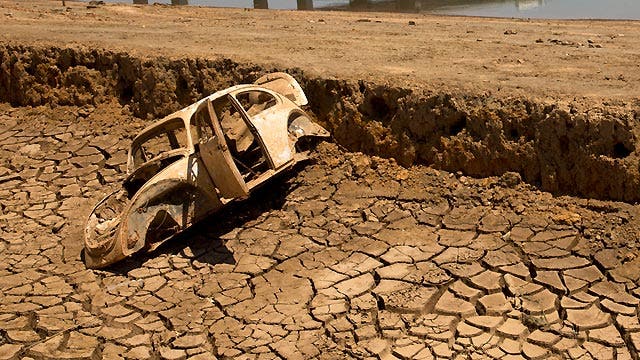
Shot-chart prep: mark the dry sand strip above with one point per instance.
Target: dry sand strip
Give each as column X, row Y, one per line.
column 505, row 57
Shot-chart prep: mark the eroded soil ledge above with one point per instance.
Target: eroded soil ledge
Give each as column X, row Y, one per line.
column 574, row 147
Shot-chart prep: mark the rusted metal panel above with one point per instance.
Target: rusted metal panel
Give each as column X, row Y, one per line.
column 284, row 84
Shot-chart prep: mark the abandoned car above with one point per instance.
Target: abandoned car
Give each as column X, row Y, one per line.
column 191, row 163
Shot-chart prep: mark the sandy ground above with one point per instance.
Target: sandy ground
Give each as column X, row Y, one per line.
column 596, row 59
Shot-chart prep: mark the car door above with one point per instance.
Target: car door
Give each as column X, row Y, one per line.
column 215, row 155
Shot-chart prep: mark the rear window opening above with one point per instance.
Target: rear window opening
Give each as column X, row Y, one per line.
column 155, row 150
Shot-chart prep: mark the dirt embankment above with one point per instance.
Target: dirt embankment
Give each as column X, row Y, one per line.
column 572, row 147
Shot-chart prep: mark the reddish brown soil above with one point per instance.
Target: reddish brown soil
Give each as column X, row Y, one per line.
column 352, row 255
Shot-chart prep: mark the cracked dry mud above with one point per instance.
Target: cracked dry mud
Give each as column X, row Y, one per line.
column 352, row 256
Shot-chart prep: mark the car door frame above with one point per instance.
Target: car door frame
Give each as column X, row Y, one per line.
column 217, row 159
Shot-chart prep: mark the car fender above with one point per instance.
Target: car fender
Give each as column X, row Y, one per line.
column 284, row 84
column 179, row 195
column 182, row 193
column 300, row 125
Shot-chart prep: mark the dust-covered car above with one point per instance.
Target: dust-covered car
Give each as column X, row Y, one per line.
column 191, row 163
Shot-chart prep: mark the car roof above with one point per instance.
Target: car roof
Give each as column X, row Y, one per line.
column 186, row 113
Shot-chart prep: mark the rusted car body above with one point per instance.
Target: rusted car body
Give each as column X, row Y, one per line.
column 191, row 163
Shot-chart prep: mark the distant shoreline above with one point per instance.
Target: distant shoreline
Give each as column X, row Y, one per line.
column 518, row 9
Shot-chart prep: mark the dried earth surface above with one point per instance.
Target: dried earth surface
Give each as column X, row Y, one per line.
column 351, row 255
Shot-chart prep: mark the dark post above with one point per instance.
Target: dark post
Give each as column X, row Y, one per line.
column 408, row 5
column 64, row 3
column 358, row 2
column 260, row 4
column 143, row 2
column 305, row 4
